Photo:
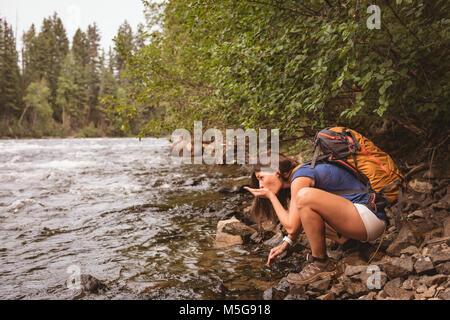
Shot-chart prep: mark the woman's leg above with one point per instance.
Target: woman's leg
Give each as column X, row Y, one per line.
column 315, row 207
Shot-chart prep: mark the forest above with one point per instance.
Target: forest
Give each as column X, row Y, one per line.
column 297, row 66
column 52, row 87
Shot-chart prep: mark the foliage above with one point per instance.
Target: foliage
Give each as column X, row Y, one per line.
column 293, row 65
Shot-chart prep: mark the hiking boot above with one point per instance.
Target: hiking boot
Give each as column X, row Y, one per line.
column 313, row 271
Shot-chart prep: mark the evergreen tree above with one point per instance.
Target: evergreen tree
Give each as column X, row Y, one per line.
column 52, row 48
column 72, row 94
column 41, row 113
column 93, row 74
column 80, row 47
column 124, row 46
column 10, row 79
column 29, row 57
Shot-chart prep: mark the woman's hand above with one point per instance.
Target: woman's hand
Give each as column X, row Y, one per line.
column 275, row 252
column 260, row 193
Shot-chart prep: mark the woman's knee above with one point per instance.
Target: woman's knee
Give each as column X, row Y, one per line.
column 304, row 197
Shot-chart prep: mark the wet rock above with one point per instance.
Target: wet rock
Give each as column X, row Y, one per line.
column 398, row 267
column 224, row 239
column 424, row 266
column 90, row 284
column 276, row 240
column 233, row 189
column 404, row 239
column 238, row 228
column 420, row 186
column 444, row 268
column 281, row 290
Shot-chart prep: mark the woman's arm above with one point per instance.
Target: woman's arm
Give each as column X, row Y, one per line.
column 289, row 219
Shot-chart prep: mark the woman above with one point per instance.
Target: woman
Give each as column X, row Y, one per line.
column 314, row 209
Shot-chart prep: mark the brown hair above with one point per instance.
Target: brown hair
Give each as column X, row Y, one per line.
column 261, row 207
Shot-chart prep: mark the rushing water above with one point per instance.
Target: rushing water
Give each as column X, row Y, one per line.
column 123, row 212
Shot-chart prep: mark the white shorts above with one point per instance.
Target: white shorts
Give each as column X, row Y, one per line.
column 374, row 225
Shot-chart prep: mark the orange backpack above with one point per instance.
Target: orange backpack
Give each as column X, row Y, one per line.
column 360, row 156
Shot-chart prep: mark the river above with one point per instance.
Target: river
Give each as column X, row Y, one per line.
column 122, row 211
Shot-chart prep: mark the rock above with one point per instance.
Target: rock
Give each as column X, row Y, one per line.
column 268, row 294
column 295, row 297
column 404, row 239
column 411, row 250
column 224, row 239
column 441, row 257
column 430, row 174
column 446, row 229
column 445, row 295
column 393, row 289
column 424, row 266
column 370, row 296
column 429, row 293
column 444, row 268
column 409, row 284
column 444, row 203
column 320, row 285
column 420, row 186
column 282, row 289
column 276, row 240
column 398, row 267
column 354, row 270
column 327, row 296
column 238, row 228
column 429, row 281
column 416, row 214
column 421, row 289
column 355, row 288
column 90, row 284
column 338, row 289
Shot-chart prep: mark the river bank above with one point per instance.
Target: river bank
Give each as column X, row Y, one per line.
column 413, row 260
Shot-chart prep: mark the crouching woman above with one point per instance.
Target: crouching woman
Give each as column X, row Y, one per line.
column 315, row 209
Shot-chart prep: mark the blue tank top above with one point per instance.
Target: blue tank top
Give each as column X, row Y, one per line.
column 329, row 178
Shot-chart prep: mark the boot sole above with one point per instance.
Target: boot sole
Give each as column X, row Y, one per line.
column 318, row 276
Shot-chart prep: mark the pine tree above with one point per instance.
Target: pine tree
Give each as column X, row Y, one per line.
column 72, row 94
column 10, row 79
column 52, row 48
column 124, row 45
column 29, row 58
column 93, row 75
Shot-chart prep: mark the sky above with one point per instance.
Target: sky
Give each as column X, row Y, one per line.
column 108, row 14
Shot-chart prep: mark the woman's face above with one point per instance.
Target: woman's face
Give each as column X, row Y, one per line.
column 269, row 180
